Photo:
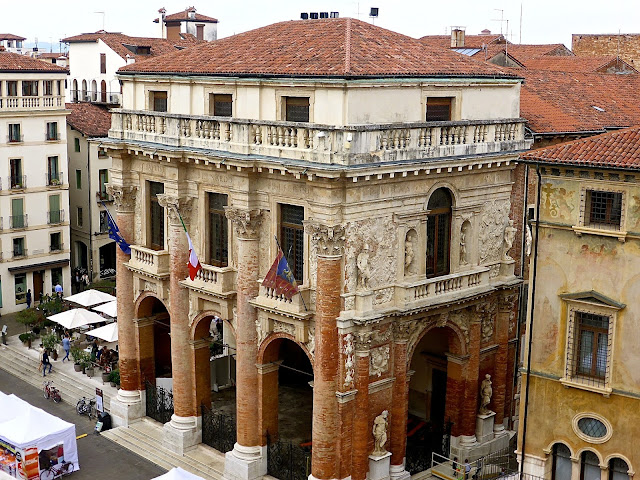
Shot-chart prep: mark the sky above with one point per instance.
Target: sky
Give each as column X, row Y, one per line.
column 543, row 21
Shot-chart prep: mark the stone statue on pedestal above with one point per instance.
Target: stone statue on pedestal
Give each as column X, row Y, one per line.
column 380, row 434
column 485, row 395
column 509, row 237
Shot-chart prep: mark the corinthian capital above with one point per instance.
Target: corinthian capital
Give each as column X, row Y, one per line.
column 246, row 222
column 329, row 240
column 124, row 197
column 176, row 207
column 507, row 301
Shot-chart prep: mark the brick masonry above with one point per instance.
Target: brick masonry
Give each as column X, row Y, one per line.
column 626, row 45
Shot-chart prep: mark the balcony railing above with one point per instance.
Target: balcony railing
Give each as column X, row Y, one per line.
column 103, row 197
column 218, row 280
column 346, row 145
column 112, row 98
column 154, row 262
column 268, row 299
column 20, row 252
column 59, row 247
column 55, row 216
column 52, row 137
column 18, row 221
column 17, row 181
column 53, row 102
column 54, row 179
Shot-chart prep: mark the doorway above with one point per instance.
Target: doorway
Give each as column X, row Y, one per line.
column 38, row 285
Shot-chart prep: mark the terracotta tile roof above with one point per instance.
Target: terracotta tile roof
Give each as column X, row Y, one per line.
column 51, row 55
column 575, row 64
column 523, row 52
column 12, row 62
column 185, row 16
column 619, row 149
column 578, row 102
column 336, row 47
column 10, row 36
column 89, row 119
column 470, row 41
column 118, row 41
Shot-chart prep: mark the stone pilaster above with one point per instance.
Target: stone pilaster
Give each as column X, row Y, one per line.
column 506, row 304
column 128, row 405
column 400, row 407
column 471, row 373
column 361, row 433
column 184, row 430
column 248, row 458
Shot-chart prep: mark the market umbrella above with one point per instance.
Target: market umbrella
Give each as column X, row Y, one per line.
column 108, row 333
column 110, row 309
column 76, row 318
column 89, row 298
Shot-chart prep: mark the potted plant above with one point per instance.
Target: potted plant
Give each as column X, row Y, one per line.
column 28, row 317
column 76, row 354
column 106, row 374
column 26, row 338
column 49, row 341
column 87, row 364
column 114, row 377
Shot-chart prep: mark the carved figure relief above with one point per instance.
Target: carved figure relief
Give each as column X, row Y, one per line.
column 284, row 327
column 528, row 240
column 380, row 235
column 383, row 295
column 486, row 391
column 349, row 365
column 491, row 235
column 464, row 231
column 150, row 287
column 364, row 273
column 262, row 333
column 410, row 262
column 380, row 425
column 311, row 344
column 379, row 360
column 509, row 237
column 487, row 312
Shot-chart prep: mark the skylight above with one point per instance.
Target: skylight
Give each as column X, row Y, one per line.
column 598, row 108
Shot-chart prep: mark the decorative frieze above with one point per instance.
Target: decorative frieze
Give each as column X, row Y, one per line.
column 349, row 363
column 124, row 197
column 492, row 228
column 246, row 222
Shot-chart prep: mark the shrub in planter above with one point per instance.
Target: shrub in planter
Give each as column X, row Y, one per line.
column 114, row 377
column 105, row 376
column 50, row 342
column 28, row 317
column 26, row 338
column 89, row 370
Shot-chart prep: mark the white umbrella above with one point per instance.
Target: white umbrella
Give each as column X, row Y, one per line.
column 110, row 309
column 177, row 473
column 76, row 318
column 89, row 298
column 108, row 333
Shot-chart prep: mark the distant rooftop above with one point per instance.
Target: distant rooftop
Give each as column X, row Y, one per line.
column 14, row 63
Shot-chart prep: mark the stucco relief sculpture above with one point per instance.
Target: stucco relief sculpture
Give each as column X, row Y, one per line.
column 486, row 391
column 364, row 273
column 528, row 240
column 262, row 334
column 380, row 425
column 463, row 243
column 311, row 344
column 349, row 366
column 410, row 262
column 491, row 235
column 379, row 360
column 509, row 237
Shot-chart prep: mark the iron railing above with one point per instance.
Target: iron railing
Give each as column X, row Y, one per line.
column 287, row 461
column 218, row 430
column 55, row 216
column 18, row 181
column 159, row 403
column 18, row 221
column 424, row 443
column 53, row 178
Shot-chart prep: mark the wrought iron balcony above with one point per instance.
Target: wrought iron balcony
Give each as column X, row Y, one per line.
column 153, row 262
column 55, row 216
column 56, row 247
column 344, row 145
column 17, row 181
column 18, row 221
column 54, row 179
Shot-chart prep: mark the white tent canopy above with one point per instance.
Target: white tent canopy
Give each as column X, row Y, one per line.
column 177, row 473
column 88, row 298
column 110, row 309
column 108, row 333
column 32, row 427
column 76, row 318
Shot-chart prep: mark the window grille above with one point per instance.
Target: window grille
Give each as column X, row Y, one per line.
column 218, row 232
column 589, row 348
column 605, row 209
column 292, row 238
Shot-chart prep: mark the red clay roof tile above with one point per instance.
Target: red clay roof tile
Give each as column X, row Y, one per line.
column 89, row 119
column 12, row 62
column 185, row 16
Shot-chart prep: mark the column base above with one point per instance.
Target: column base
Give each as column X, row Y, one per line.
column 398, row 472
column 182, row 433
column 379, row 467
column 127, row 407
column 245, row 463
column 498, row 429
column 484, row 427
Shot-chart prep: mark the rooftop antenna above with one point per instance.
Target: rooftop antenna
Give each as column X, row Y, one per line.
column 501, row 19
column 103, row 15
column 50, row 44
column 520, row 41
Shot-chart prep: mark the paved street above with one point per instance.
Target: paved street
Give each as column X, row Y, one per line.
column 99, row 458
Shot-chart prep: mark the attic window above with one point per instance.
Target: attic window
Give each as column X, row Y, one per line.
column 138, row 49
column 598, row 108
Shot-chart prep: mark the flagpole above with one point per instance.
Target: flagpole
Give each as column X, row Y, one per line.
column 299, row 292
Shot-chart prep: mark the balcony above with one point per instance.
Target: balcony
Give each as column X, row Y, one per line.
column 270, row 301
column 18, row 221
column 55, row 216
column 54, row 179
column 348, row 145
column 150, row 262
column 219, row 281
column 110, row 98
column 52, row 136
column 54, row 102
column 17, row 182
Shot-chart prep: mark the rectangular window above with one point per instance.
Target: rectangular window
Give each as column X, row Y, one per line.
column 592, row 333
column 103, row 179
column 47, row 86
column 80, row 217
column 218, row 233
column 20, row 287
column 604, row 209
column 12, row 88
column 76, row 144
column 292, row 238
column 16, row 179
column 200, row 32
column 14, row 132
column 18, row 247
column 296, row 109
column 157, row 216
column 439, row 109
column 55, row 245
column 17, row 219
column 79, row 179
column 52, row 131
column 53, row 173
column 29, row 88
column 221, row 105
column 103, row 63
column 158, row 101
column 55, row 214
column 104, row 224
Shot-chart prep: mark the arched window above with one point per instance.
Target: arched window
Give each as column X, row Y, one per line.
column 84, row 98
column 94, row 91
column 618, row 469
column 103, row 91
column 561, row 462
column 74, row 91
column 589, row 466
column 438, row 233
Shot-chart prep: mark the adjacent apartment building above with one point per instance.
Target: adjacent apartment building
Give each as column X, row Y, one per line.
column 582, row 377
column 34, row 194
column 383, row 169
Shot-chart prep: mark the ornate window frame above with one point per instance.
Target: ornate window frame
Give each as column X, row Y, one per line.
column 584, row 436
column 583, row 225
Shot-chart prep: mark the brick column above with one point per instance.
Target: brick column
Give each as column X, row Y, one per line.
column 471, row 372
column 455, row 392
column 268, row 400
column 247, row 460
column 505, row 308
column 185, row 428
column 201, row 374
column 400, row 407
column 361, row 432
column 128, row 405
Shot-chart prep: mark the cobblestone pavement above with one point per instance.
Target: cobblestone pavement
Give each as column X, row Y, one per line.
column 99, row 458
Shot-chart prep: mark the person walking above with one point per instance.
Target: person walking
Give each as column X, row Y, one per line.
column 29, row 298
column 66, row 345
column 58, row 290
column 85, row 280
column 467, row 469
column 45, row 362
column 40, row 352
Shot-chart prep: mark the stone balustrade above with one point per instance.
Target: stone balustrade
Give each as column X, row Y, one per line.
column 269, row 300
column 54, row 102
column 345, row 145
column 153, row 262
column 216, row 280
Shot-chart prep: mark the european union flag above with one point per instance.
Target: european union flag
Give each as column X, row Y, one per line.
column 280, row 277
column 114, row 233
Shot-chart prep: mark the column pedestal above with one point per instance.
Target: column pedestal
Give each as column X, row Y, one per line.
column 127, row 407
column 182, row 433
column 484, row 427
column 245, row 463
column 379, row 467
column 398, row 472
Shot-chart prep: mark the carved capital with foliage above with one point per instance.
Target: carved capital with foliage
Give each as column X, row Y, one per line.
column 246, row 222
column 176, row 207
column 329, row 240
column 124, row 197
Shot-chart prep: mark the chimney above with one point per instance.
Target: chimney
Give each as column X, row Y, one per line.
column 457, row 37
column 192, row 13
column 163, row 26
column 130, row 59
column 486, row 31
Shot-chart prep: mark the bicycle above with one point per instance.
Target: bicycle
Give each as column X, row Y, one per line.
column 54, row 471
column 49, row 391
column 86, row 407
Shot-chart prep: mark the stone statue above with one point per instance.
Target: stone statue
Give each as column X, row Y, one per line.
column 409, row 254
column 509, row 237
column 363, row 267
column 463, row 247
column 485, row 393
column 528, row 240
column 380, row 434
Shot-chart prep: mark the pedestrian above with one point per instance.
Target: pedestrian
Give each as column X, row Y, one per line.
column 94, row 350
column 455, row 466
column 40, row 352
column 58, row 290
column 85, row 279
column 467, row 469
column 77, row 281
column 29, row 298
column 66, row 345
column 45, row 362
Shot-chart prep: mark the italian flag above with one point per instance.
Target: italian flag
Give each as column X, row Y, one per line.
column 194, row 263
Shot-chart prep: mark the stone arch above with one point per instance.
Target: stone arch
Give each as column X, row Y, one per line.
column 549, row 448
column 461, row 343
column 94, row 90
column 455, row 195
column 197, row 325
column 154, row 343
column 592, row 450
column 141, row 298
column 261, row 357
column 613, row 456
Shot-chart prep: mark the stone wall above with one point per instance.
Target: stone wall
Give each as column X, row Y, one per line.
column 625, row 45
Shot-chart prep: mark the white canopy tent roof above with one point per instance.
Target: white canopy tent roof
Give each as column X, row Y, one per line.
column 177, row 473
column 76, row 318
column 32, row 427
column 110, row 309
column 109, row 333
column 88, row 298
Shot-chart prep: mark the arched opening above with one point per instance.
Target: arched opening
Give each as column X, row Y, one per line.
column 103, row 91
column 155, row 341
column 618, row 469
column 438, row 232
column 94, row 91
column 589, row 466
column 107, row 255
column 84, row 97
column 435, row 389
column 561, row 466
column 74, row 91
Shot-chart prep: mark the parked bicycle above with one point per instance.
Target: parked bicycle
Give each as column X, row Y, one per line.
column 58, row 470
column 49, row 391
column 86, row 407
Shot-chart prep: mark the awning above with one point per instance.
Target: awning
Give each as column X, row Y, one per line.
column 39, row 266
